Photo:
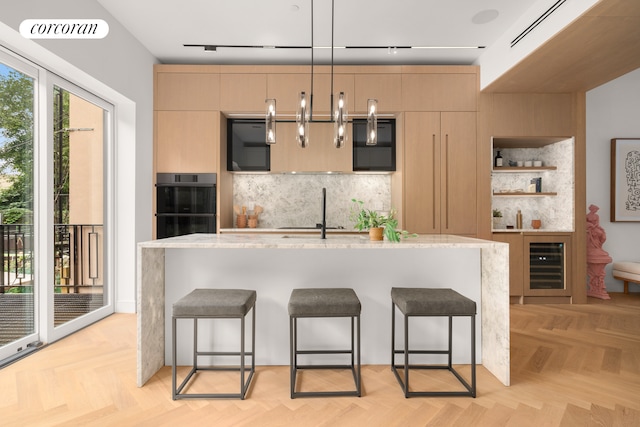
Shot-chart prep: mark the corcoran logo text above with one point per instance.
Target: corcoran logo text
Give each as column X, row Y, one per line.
column 64, row 28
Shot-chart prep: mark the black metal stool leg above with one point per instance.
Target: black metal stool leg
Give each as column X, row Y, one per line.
column 406, row 356
column 173, row 358
column 404, row 380
column 317, row 303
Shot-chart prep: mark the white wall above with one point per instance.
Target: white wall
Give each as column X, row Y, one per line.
column 613, row 111
column 123, row 69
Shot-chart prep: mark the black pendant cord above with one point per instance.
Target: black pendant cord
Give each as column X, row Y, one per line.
column 331, row 96
column 311, row 95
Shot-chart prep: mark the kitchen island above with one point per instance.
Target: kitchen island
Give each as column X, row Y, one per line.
column 274, row 264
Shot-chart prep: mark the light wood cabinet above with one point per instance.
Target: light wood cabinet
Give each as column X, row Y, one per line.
column 320, row 156
column 386, row 88
column 322, row 93
column 537, row 114
column 286, row 88
column 539, row 265
column 243, row 93
column 422, row 173
column 187, row 141
column 440, row 173
column 187, row 91
column 439, row 92
column 516, row 260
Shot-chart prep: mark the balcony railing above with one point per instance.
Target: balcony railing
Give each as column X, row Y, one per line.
column 78, row 264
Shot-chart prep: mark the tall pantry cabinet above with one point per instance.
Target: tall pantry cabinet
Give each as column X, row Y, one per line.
column 440, row 172
column 440, row 150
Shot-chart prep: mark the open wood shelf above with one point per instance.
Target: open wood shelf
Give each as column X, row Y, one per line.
column 520, row 169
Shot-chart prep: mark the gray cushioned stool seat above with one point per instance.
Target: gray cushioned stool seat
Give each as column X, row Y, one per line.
column 211, row 305
column 432, row 302
column 326, row 302
column 215, row 303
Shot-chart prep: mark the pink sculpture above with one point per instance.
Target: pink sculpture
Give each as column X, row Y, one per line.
column 597, row 258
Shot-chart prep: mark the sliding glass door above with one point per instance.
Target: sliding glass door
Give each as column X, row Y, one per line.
column 79, row 162
column 78, row 206
column 55, row 215
column 18, row 286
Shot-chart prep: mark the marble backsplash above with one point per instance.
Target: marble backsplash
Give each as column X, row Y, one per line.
column 295, row 200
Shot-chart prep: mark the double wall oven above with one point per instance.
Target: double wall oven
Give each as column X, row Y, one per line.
column 186, row 204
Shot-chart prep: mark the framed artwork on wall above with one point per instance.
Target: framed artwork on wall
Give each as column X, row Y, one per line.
column 625, row 179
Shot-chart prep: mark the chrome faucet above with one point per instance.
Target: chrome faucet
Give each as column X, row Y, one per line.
column 323, row 233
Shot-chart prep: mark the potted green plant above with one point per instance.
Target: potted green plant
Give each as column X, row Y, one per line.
column 497, row 219
column 379, row 225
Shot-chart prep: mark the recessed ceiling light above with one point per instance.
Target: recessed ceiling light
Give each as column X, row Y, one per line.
column 485, row 16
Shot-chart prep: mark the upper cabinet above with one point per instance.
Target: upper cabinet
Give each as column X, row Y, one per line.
column 530, row 115
column 439, row 92
column 386, row 88
column 243, row 93
column 285, row 88
column 184, row 91
column 187, row 141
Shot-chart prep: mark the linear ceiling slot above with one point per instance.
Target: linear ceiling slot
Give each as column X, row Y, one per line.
column 537, row 22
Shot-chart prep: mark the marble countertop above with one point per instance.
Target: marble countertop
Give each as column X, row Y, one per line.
column 292, row 240
column 529, row 230
column 313, row 231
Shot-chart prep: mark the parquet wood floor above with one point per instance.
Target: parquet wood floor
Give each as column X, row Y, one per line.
column 572, row 365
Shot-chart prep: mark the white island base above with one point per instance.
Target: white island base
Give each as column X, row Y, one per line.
column 273, row 265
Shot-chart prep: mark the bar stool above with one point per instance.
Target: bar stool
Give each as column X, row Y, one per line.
column 328, row 302
column 413, row 302
column 214, row 304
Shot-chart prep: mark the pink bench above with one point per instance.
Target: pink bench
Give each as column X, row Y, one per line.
column 627, row 271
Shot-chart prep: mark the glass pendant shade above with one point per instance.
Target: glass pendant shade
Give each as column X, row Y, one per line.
column 270, row 121
column 340, row 122
column 302, row 122
column 372, row 121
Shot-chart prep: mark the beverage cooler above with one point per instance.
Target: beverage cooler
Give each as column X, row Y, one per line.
column 186, row 204
column 548, row 263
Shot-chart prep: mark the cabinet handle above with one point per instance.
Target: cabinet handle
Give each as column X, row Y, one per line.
column 446, row 182
column 433, row 182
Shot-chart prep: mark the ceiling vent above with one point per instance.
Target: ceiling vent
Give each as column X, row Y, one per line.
column 537, row 22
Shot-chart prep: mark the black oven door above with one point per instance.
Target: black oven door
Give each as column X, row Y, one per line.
column 174, row 199
column 170, row 225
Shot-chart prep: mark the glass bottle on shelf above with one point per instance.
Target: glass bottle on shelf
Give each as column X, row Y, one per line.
column 497, row 162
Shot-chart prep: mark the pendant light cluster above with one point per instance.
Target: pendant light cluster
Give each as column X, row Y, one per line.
column 270, row 122
column 372, row 121
column 304, row 111
column 302, row 122
column 340, row 122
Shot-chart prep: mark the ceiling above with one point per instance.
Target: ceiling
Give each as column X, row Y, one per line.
column 600, row 45
column 447, row 30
